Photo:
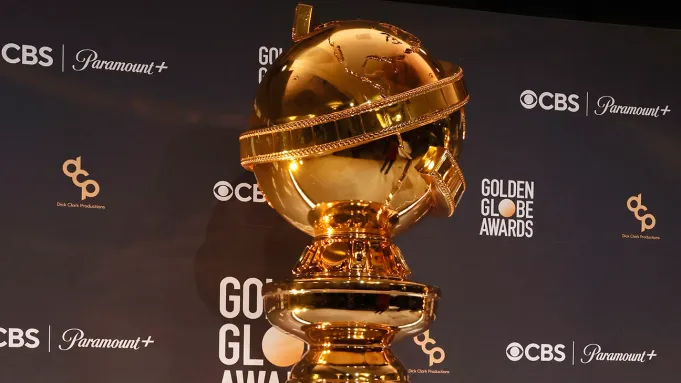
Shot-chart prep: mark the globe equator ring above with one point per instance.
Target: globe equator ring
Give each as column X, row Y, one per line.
column 249, row 161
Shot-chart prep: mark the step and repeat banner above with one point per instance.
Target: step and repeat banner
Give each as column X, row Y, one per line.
column 134, row 247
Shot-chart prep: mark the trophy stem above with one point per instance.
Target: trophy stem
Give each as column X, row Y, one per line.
column 349, row 353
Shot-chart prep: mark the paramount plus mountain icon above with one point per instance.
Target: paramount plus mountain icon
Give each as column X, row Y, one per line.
column 507, row 208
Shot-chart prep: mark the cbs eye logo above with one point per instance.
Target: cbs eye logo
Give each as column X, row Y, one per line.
column 224, row 191
column 528, row 99
column 549, row 101
column 535, row 352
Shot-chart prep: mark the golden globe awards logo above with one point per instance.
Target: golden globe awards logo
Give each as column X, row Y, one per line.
column 236, row 343
column 507, row 208
column 89, row 188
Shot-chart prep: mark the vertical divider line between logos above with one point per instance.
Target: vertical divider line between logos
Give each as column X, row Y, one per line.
column 573, row 349
column 586, row 107
column 49, row 336
column 62, row 58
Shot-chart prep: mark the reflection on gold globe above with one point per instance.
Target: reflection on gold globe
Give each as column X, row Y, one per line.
column 506, row 208
column 281, row 349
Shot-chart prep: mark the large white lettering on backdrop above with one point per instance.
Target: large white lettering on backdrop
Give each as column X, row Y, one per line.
column 235, row 342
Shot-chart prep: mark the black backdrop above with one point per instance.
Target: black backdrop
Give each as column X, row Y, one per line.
column 161, row 245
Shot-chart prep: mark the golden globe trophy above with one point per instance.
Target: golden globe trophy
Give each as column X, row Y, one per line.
column 355, row 132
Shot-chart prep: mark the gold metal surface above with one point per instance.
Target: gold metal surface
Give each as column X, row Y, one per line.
column 355, row 135
column 301, row 22
column 441, row 171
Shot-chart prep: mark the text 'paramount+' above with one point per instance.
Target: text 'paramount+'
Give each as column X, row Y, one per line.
column 89, row 59
column 604, row 104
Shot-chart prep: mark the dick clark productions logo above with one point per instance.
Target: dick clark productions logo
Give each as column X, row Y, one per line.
column 436, row 354
column 83, row 183
column 89, row 188
column 641, row 213
column 635, row 205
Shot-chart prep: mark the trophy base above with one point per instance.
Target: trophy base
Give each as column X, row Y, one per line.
column 350, row 324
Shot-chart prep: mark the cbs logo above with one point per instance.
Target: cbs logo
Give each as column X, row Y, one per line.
column 535, row 352
column 16, row 338
column 647, row 221
column 78, row 171
column 224, row 191
column 549, row 101
column 27, row 55
column 437, row 354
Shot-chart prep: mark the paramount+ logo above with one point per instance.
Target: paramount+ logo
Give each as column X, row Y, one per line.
column 560, row 102
column 534, row 352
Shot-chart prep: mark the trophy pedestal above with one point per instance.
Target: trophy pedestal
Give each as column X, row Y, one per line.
column 350, row 324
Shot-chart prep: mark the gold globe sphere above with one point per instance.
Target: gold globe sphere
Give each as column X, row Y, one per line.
column 349, row 113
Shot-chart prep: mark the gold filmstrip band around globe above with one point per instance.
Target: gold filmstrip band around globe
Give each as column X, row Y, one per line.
column 354, row 126
column 441, row 170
